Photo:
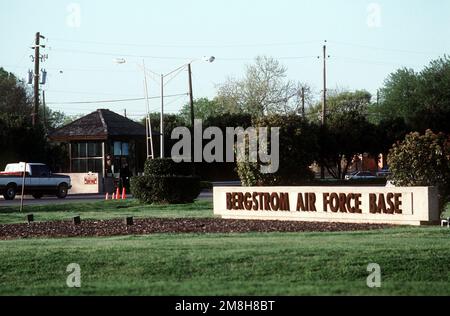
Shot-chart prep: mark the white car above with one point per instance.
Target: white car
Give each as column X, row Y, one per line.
column 360, row 176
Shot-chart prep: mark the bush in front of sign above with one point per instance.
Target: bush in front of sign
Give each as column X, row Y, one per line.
column 422, row 160
column 165, row 182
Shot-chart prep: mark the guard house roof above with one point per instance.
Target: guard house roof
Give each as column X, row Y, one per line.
column 99, row 125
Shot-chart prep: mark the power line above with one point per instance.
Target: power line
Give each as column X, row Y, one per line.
column 117, row 54
column 230, row 45
column 170, row 57
column 117, row 100
column 371, row 62
column 385, row 49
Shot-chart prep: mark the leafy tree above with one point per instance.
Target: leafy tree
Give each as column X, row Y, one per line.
column 345, row 136
column 264, row 90
column 422, row 160
column 341, row 102
column 389, row 132
column 19, row 140
column 347, row 133
column 298, row 148
column 422, row 99
column 203, row 109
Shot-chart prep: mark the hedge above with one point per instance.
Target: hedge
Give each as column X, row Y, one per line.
column 165, row 189
column 166, row 182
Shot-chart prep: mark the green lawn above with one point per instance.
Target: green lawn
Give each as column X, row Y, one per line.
column 101, row 210
column 104, row 210
column 413, row 261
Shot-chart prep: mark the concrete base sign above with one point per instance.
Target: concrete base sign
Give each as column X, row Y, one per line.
column 378, row 205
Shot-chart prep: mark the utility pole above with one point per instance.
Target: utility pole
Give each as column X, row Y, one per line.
column 162, row 119
column 191, row 96
column 36, row 79
column 324, row 101
column 191, row 103
column 303, row 102
column 43, row 107
column 36, row 59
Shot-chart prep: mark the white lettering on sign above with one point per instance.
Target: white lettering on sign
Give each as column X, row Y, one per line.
column 90, row 179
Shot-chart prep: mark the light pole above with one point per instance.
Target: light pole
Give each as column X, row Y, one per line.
column 148, row 126
column 163, row 76
column 209, row 59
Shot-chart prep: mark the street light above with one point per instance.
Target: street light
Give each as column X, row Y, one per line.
column 209, row 59
column 148, row 126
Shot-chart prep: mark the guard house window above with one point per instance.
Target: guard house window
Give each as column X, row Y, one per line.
column 87, row 157
column 121, row 149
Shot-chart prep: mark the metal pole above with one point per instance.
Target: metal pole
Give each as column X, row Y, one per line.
column 162, row 118
column 324, row 104
column 148, row 129
column 191, row 103
column 191, row 96
column 23, row 186
column 303, row 102
column 36, row 79
column 43, row 107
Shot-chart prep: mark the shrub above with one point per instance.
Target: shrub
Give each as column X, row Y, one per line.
column 422, row 160
column 166, row 182
column 166, row 166
column 165, row 189
column 206, row 185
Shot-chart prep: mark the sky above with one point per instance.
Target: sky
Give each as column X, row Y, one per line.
column 366, row 41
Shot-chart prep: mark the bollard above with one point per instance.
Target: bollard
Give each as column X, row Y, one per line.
column 30, row 218
column 129, row 221
column 76, row 220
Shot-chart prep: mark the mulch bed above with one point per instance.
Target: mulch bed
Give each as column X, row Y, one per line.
column 152, row 226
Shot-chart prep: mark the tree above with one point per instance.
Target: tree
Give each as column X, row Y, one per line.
column 422, row 99
column 345, row 136
column 422, row 160
column 298, row 149
column 19, row 139
column 203, row 109
column 264, row 90
column 342, row 102
column 347, row 133
column 15, row 101
column 389, row 132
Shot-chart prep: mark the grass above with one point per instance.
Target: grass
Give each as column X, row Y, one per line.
column 414, row 261
column 101, row 210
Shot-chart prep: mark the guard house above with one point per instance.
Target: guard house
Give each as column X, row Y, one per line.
column 103, row 143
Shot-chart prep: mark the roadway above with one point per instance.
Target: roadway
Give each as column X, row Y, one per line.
column 86, row 198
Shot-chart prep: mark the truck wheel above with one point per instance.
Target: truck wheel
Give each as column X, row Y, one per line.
column 10, row 192
column 37, row 196
column 62, row 191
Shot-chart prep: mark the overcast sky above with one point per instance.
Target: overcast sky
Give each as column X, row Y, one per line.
column 367, row 40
